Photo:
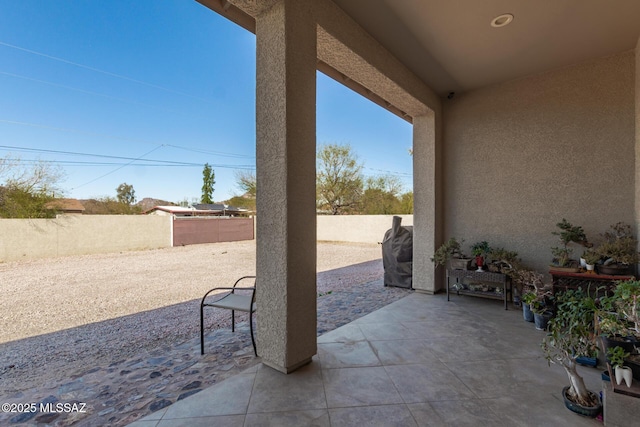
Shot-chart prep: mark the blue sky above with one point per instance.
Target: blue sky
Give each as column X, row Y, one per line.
column 91, row 86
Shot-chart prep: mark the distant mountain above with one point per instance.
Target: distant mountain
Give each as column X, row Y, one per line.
column 148, row 203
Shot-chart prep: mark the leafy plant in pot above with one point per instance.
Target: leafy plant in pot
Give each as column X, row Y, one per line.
column 618, row 250
column 542, row 311
column 620, row 322
column 570, row 335
column 530, row 285
column 616, row 356
column 562, row 255
column 527, row 299
column 591, row 257
column 480, row 251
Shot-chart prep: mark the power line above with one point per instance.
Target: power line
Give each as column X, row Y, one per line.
column 72, row 153
column 97, row 70
column 88, row 92
column 122, row 138
column 93, row 164
column 390, row 172
column 117, row 169
column 148, row 162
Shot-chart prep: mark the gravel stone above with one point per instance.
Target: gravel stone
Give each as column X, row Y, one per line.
column 98, row 329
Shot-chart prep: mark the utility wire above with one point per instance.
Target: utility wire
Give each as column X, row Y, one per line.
column 93, row 164
column 88, row 92
column 117, row 169
column 122, row 138
column 97, row 70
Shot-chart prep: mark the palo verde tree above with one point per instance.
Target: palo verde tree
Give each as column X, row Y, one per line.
column 246, row 181
column 27, row 187
column 208, row 180
column 126, row 194
column 338, row 179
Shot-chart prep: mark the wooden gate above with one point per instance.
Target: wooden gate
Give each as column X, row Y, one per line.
column 194, row 230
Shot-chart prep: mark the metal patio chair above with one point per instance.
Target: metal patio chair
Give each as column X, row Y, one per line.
column 237, row 299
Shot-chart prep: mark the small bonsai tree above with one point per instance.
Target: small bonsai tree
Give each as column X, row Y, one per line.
column 450, row 249
column 568, row 233
column 619, row 245
column 591, row 257
column 571, row 335
column 626, row 297
column 504, row 261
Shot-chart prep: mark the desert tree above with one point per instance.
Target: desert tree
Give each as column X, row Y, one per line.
column 338, row 179
column 246, row 182
column 26, row 187
column 126, row 194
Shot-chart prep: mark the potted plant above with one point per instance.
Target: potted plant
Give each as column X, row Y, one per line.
column 562, row 255
column 451, row 251
column 480, row 251
column 570, row 335
column 626, row 297
column 533, row 290
column 591, row 257
column 527, row 299
column 503, row 261
column 542, row 313
column 618, row 250
column 616, row 356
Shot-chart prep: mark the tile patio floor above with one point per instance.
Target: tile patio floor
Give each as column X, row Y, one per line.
column 420, row 361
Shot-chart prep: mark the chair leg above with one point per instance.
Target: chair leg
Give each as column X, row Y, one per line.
column 233, row 320
column 201, row 329
column 253, row 341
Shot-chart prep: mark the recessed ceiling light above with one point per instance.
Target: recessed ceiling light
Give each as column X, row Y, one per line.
column 502, row 20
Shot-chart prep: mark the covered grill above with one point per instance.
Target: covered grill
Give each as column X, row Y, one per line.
column 397, row 255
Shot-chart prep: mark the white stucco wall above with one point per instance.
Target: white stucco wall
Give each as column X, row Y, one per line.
column 79, row 235
column 356, row 228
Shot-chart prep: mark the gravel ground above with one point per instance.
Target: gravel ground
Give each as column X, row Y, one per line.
column 57, row 315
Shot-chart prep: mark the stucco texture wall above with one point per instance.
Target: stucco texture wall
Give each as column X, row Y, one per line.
column 356, row 228
column 79, row 235
column 522, row 155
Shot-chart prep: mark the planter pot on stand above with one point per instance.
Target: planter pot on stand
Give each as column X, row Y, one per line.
column 527, row 313
column 479, row 262
column 624, row 373
column 591, row 412
column 542, row 319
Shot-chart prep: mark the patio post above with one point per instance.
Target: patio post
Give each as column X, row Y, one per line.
column 427, row 222
column 285, row 166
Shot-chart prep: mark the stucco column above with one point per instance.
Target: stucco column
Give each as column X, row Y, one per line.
column 637, row 146
column 286, row 220
column 427, row 222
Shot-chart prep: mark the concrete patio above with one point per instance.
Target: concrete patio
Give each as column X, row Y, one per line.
column 420, row 361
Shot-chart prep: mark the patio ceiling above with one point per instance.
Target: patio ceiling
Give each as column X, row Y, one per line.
column 451, row 46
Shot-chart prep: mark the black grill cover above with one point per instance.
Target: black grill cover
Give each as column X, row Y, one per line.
column 397, row 255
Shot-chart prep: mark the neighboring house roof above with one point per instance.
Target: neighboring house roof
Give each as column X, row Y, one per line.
column 66, row 205
column 210, row 206
column 179, row 211
column 220, row 207
column 202, row 209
